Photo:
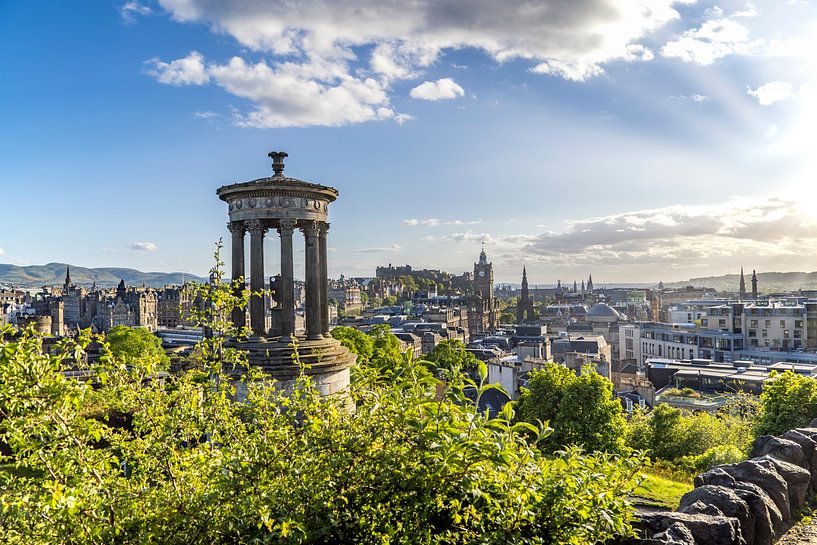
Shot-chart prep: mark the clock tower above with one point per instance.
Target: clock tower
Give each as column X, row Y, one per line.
column 482, row 305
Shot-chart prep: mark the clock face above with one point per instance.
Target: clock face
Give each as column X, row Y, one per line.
column 482, row 273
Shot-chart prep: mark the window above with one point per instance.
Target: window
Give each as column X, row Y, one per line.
column 782, row 323
column 798, row 323
column 721, row 323
column 764, row 333
column 798, row 334
column 767, row 343
column 752, row 323
column 785, row 333
column 752, row 333
column 704, row 322
column 768, row 323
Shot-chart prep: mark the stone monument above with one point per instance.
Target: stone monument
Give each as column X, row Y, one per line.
column 286, row 205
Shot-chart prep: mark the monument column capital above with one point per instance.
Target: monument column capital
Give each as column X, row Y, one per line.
column 287, row 226
column 236, row 228
column 255, row 227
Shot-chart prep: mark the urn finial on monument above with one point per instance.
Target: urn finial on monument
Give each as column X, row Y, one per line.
column 278, row 161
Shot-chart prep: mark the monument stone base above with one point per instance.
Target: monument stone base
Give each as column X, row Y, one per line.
column 325, row 360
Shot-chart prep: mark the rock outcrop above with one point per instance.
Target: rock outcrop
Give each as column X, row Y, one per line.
column 750, row 502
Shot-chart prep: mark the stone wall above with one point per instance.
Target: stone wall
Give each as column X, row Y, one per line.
column 748, row 503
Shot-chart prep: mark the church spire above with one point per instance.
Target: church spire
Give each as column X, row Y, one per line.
column 67, row 276
column 742, row 288
column 590, row 283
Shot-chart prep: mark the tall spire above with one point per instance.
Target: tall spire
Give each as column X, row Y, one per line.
column 67, row 276
column 742, row 288
column 590, row 283
column 754, row 285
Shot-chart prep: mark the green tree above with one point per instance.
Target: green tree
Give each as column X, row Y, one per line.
column 581, row 409
column 389, row 301
column 788, row 401
column 451, row 354
column 136, row 344
column 356, row 341
column 507, row 318
column 386, row 348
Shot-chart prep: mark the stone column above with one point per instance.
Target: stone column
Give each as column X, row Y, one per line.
column 324, row 272
column 313, row 290
column 237, row 230
column 257, row 312
column 285, row 228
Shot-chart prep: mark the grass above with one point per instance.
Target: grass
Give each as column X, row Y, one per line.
column 660, row 491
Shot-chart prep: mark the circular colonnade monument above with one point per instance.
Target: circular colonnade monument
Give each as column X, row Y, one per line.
column 286, row 205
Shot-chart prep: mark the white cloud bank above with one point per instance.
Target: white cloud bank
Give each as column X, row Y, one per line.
column 684, row 234
column 774, row 91
column 775, row 234
column 143, row 246
column 336, row 60
column 442, row 89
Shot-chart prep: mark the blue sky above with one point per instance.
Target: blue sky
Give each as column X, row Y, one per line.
column 639, row 141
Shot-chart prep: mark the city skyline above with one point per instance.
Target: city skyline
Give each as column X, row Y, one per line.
column 663, row 141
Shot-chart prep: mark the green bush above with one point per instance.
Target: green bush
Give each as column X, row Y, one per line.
column 788, row 401
column 690, row 439
column 409, row 465
column 714, row 456
column 580, row 409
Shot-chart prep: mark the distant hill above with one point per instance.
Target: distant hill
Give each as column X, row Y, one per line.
column 53, row 274
column 768, row 282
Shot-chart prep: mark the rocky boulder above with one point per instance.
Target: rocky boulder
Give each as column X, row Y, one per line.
column 780, row 448
column 809, row 446
column 727, row 502
column 677, row 534
column 758, row 474
column 769, row 523
column 700, row 508
column 705, row 529
column 797, row 478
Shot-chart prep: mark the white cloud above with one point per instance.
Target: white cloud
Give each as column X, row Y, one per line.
column 445, row 88
column 574, row 71
column 392, row 248
column 713, row 40
column 287, row 94
column 683, row 234
column 129, row 10
column 772, row 92
column 748, row 11
column 435, row 222
column 143, row 246
column 315, row 75
column 2, row 251
column 206, row 114
column 694, row 97
column 188, row 70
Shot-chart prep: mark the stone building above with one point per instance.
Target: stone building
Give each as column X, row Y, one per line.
column 128, row 307
column 346, row 293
